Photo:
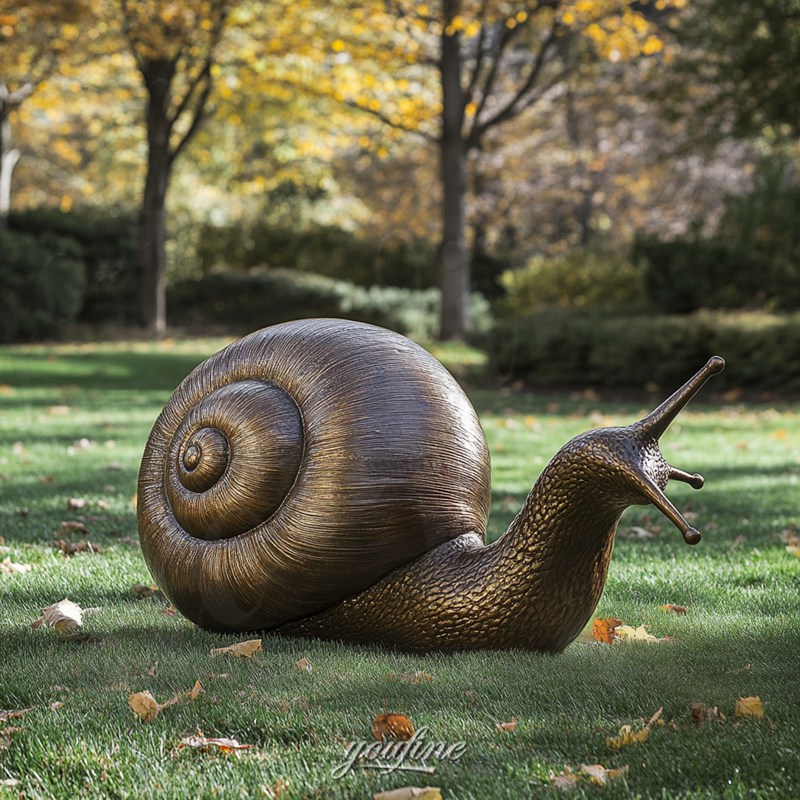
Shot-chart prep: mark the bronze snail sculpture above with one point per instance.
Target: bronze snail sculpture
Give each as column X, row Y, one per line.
column 328, row 478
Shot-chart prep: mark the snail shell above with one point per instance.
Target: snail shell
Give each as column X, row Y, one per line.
column 297, row 466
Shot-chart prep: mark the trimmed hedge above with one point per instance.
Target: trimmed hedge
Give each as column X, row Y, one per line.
column 42, row 282
column 246, row 301
column 106, row 245
column 322, row 250
column 604, row 349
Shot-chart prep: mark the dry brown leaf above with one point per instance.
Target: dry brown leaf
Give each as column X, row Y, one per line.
column 750, row 707
column 71, row 526
column 410, row 793
column 392, row 726
column 566, row 780
column 195, row 691
column 597, row 773
column 9, row 783
column 67, row 548
column 304, row 664
column 56, row 705
column 169, row 611
column 146, row 707
column 702, row 713
column 507, row 726
column 8, row 567
column 6, row 715
column 241, row 649
column 200, row 742
column 627, row 633
column 680, row 610
column 141, row 591
column 637, row 533
column 152, row 671
column 410, row 677
column 75, row 503
column 603, row 629
column 79, row 638
column 276, row 791
column 64, row 616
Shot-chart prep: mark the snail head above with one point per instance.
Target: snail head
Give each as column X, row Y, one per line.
column 628, row 463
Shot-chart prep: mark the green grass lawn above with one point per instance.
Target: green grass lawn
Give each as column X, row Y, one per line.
column 73, row 423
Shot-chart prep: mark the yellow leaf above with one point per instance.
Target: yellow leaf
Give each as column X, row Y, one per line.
column 410, row 793
column 628, row 633
column 144, row 706
column 242, row 649
column 750, row 707
column 627, row 736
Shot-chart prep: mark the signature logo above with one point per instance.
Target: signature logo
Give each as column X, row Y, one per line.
column 411, row 755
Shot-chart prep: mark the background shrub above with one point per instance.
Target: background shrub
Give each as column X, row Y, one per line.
column 106, row 246
column 42, row 283
column 604, row 349
column 323, row 250
column 585, row 278
column 246, row 301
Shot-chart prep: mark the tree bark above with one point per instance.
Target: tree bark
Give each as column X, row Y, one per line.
column 151, row 252
column 454, row 260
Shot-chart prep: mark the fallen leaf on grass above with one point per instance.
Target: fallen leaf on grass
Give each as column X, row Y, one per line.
column 200, row 742
column 68, row 549
column 8, row 567
column 392, row 726
column 55, row 705
column 240, row 649
column 276, row 791
column 628, row 633
column 567, row 780
column 507, row 726
column 146, row 707
column 637, row 534
column 141, row 591
column 603, row 629
column 195, row 691
column 79, row 638
column 627, row 736
column 9, row 782
column 702, row 713
column 63, row 616
column 6, row 715
column 680, row 610
column 410, row 677
column 75, row 503
column 71, row 526
column 410, row 793
column 597, row 773
column 750, row 707
column 304, row 664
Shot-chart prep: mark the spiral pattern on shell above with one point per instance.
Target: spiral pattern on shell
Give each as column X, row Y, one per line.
column 297, row 466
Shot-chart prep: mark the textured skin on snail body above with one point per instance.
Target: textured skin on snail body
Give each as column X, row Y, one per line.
column 328, row 478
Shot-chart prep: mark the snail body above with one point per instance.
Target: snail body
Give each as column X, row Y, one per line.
column 329, row 478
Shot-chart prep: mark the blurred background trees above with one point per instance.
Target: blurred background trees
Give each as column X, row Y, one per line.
column 430, row 165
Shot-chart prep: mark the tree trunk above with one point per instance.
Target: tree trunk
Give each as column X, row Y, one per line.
column 8, row 160
column 454, row 262
column 152, row 225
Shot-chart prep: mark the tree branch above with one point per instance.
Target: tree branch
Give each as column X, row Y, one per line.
column 519, row 102
column 392, row 123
